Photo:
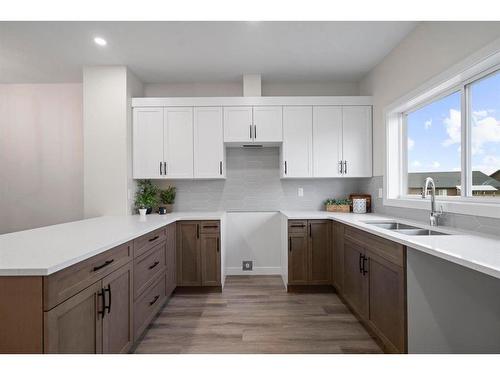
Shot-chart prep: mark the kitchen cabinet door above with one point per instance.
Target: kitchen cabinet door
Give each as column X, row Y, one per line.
column 210, row 259
column 355, row 289
column 117, row 325
column 268, row 124
column 387, row 301
column 147, row 142
column 188, row 254
column 298, row 257
column 338, row 256
column 238, row 124
column 319, row 252
column 170, row 257
column 297, row 142
column 357, row 141
column 208, row 143
column 75, row 326
column 178, row 142
column 327, row 141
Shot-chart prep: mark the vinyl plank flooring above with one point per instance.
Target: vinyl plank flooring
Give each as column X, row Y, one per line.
column 255, row 314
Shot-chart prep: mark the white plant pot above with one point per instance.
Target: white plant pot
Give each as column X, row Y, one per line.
column 142, row 212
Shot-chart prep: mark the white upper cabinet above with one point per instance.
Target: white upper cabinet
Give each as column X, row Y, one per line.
column 238, row 124
column 297, row 142
column 357, row 141
column 178, row 142
column 268, row 124
column 147, row 142
column 327, row 141
column 208, row 143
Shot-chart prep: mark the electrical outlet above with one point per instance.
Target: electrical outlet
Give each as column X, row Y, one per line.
column 247, row 265
column 380, row 193
column 300, row 192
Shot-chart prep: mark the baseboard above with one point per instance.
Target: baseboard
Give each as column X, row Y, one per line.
column 256, row 271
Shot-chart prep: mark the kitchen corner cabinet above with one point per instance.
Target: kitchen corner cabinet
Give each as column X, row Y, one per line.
column 163, row 142
column 297, row 142
column 209, row 161
column 198, row 253
column 259, row 124
column 309, row 252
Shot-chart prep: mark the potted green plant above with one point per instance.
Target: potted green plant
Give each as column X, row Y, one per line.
column 167, row 198
column 146, row 196
column 338, row 205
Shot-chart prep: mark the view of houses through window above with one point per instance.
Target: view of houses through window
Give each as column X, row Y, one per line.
column 434, row 142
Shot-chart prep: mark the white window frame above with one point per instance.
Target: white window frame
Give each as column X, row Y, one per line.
column 457, row 78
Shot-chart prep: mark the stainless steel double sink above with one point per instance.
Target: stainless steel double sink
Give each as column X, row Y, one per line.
column 402, row 228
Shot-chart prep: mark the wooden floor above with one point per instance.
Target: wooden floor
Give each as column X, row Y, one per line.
column 254, row 314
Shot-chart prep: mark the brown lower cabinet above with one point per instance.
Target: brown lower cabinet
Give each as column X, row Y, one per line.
column 309, row 252
column 100, row 305
column 198, row 253
column 374, row 285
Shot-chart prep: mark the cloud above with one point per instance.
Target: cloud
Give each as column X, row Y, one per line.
column 488, row 165
column 428, row 124
column 411, row 144
column 453, row 125
column 485, row 129
column 435, row 164
column 416, row 164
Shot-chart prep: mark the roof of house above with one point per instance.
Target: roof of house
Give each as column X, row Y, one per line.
column 451, row 180
column 496, row 175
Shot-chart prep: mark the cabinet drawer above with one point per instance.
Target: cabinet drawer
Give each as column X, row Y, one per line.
column 147, row 266
column 148, row 241
column 389, row 250
column 297, row 226
column 148, row 304
column 69, row 281
column 209, row 227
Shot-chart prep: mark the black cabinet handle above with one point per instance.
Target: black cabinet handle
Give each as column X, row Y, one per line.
column 255, row 131
column 345, row 167
column 103, row 303
column 250, row 131
column 107, row 307
column 154, row 265
column 365, row 270
column 361, row 263
column 161, row 169
column 105, row 264
column 220, row 168
column 218, row 244
column 286, row 170
column 310, row 230
column 197, row 230
column 290, row 244
column 154, row 238
column 154, row 301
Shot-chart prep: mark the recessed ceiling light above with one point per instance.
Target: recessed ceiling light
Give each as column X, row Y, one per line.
column 100, row 41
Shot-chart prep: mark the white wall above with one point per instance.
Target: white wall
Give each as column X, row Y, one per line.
column 40, row 155
column 107, row 139
column 427, row 51
column 236, row 89
column 254, row 236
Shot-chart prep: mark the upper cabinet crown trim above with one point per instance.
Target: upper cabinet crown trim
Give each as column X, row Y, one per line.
column 251, row 101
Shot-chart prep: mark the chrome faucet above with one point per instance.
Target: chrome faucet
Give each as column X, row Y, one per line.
column 434, row 216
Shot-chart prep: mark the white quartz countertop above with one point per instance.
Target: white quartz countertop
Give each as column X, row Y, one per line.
column 479, row 252
column 43, row 251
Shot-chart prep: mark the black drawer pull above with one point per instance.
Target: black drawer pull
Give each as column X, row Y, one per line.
column 365, row 270
column 154, row 265
column 210, row 226
column 154, row 301
column 154, row 238
column 105, row 264
column 297, row 225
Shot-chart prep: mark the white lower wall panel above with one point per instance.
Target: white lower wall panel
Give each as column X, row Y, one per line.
column 254, row 236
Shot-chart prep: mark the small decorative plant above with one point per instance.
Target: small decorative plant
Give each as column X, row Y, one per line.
column 167, row 198
column 338, row 205
column 146, row 196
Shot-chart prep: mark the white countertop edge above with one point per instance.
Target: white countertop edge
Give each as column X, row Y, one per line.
column 387, row 234
column 16, row 271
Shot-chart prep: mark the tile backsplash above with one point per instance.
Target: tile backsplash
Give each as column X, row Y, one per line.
column 253, row 184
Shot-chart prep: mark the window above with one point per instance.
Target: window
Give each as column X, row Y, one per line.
column 449, row 129
column 485, row 136
column 434, row 145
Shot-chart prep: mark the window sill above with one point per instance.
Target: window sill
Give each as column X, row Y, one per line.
column 464, row 206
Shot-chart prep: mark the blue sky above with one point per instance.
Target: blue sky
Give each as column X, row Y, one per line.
column 434, row 142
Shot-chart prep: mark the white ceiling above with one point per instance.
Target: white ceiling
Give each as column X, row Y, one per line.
column 163, row 52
